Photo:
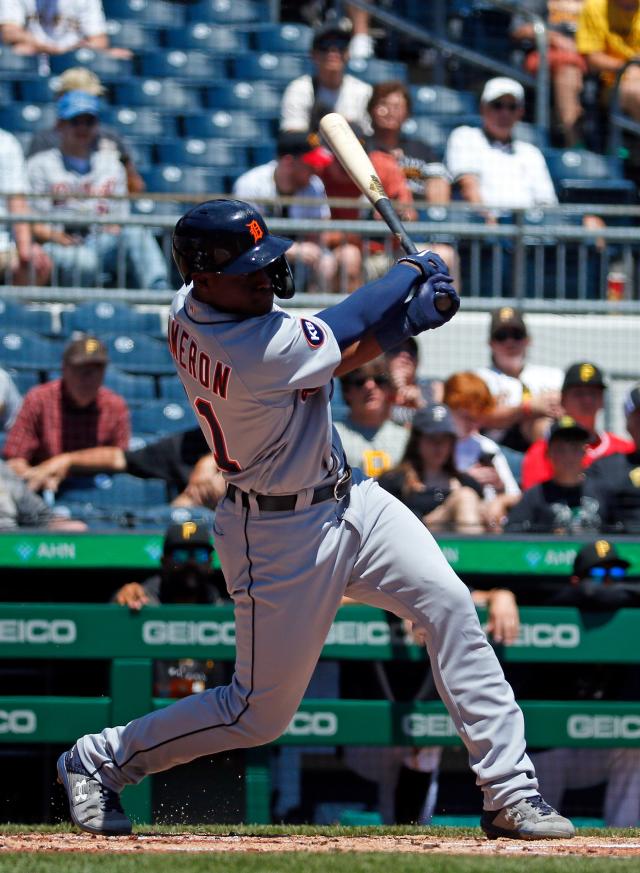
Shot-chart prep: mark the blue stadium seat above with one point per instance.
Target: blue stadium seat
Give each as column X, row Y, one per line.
column 270, row 67
column 103, row 317
column 163, row 417
column 137, row 353
column 134, row 389
column 141, row 153
column 171, row 389
column 452, row 215
column 6, row 93
column 37, row 90
column 531, row 133
column 140, row 121
column 228, row 156
column 261, row 99
column 429, row 130
column 214, row 40
column 133, row 35
column 27, row 117
column 187, row 65
column 20, row 65
column 16, row 316
column 263, row 153
column 25, row 350
column 438, row 100
column 156, row 12
column 230, row 124
column 24, row 380
column 374, row 70
column 103, row 65
column 149, row 206
column 586, row 177
column 171, row 179
column 284, row 38
column 108, row 492
column 226, row 11
column 164, row 95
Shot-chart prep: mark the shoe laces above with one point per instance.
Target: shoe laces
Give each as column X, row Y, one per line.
column 110, row 800
column 540, row 805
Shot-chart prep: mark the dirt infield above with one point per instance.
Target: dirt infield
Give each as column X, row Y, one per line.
column 590, row 846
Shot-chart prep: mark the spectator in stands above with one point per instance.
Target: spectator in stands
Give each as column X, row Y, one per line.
column 597, row 583
column 527, row 395
column 616, row 478
column 79, row 180
column 469, row 399
column 427, row 481
column 81, row 79
column 10, row 401
column 33, row 27
column 411, row 392
column 20, row 507
column 74, row 412
column 22, row 262
column 371, row 440
column 608, row 36
column 292, row 175
column 562, row 504
column 582, row 398
column 308, row 98
column 566, row 65
column 183, row 460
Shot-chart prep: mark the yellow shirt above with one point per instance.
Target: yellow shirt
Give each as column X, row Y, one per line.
column 604, row 27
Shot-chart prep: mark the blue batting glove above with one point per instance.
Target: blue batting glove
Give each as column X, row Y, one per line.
column 427, row 262
column 422, row 312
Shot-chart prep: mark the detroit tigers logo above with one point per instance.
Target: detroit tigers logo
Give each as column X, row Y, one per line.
column 255, row 230
column 313, row 333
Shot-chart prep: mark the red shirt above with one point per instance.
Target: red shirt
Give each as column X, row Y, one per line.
column 50, row 423
column 536, row 466
column 338, row 184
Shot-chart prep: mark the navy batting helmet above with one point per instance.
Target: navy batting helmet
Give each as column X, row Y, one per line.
column 229, row 236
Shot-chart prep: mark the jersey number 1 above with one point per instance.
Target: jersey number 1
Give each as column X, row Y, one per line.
column 220, row 451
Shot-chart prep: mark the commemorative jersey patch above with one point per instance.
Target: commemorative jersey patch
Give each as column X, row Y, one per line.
column 313, row 333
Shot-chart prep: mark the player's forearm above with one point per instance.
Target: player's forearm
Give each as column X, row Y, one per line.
column 357, row 355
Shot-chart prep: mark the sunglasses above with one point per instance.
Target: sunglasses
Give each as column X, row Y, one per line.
column 329, row 46
column 361, row 381
column 506, row 333
column 201, row 555
column 501, row 104
column 602, row 572
column 83, row 121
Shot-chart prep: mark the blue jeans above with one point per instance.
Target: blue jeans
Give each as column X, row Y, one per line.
column 104, row 257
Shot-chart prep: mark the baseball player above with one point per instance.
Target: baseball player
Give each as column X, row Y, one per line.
column 298, row 528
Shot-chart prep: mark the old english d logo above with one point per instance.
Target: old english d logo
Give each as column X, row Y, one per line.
column 255, row 230
column 602, row 548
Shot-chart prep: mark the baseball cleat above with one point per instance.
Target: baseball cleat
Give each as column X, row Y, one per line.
column 527, row 819
column 93, row 807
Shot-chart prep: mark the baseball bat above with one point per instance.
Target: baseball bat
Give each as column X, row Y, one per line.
column 349, row 151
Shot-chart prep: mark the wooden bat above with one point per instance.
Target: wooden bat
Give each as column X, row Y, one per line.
column 349, row 151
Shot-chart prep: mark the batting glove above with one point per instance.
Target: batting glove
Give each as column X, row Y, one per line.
column 427, row 262
column 422, row 312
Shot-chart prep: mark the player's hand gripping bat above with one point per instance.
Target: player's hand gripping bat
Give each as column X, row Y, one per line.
column 349, row 151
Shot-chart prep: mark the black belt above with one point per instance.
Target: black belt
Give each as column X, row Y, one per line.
column 287, row 502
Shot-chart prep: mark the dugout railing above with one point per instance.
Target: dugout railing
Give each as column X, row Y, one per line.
column 132, row 640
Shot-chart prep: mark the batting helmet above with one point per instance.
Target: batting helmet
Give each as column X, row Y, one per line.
column 231, row 237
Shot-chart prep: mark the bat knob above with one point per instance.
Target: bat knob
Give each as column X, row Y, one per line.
column 442, row 301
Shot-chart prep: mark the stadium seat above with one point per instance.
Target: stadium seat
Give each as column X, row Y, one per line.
column 104, row 66
column 133, row 35
column 531, row 133
column 19, row 65
column 586, row 177
column 25, row 350
column 163, row 95
column 137, row 353
column 230, row 124
column 104, row 317
column 430, row 131
column 16, row 316
column 140, row 121
column 260, row 99
column 284, row 38
column 157, row 12
column 171, row 179
column 37, row 90
column 134, row 389
column 228, row 156
column 438, row 100
column 109, row 492
column 226, row 11
column 186, row 65
column 374, row 70
column 148, row 206
column 24, row 380
column 270, row 67
column 171, row 389
column 451, row 215
column 27, row 117
column 6, row 93
column 214, row 40
column 163, row 417
column 263, row 153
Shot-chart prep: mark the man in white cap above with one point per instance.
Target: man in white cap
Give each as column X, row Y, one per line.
column 489, row 164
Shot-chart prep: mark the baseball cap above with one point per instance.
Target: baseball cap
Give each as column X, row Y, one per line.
column 583, row 373
column 78, row 79
column 85, row 350
column 568, row 428
column 75, row 103
column 499, row 87
column 506, row 316
column 336, row 33
column 632, row 401
column 189, row 535
column 303, row 145
column 602, row 553
column 434, row 418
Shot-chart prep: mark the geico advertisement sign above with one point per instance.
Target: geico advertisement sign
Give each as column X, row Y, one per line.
column 36, row 631
column 417, row 724
column 197, row 633
column 603, row 727
column 313, row 724
column 365, row 633
column 18, row 721
column 548, row 636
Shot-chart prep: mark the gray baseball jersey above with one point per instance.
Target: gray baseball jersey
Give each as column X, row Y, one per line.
column 261, row 389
